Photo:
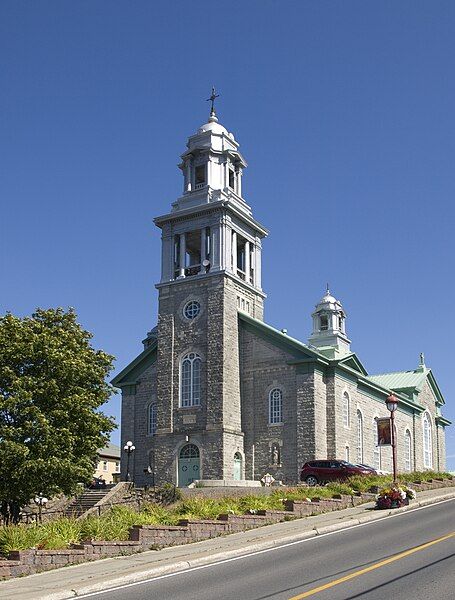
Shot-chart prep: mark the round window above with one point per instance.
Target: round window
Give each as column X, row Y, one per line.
column 192, row 309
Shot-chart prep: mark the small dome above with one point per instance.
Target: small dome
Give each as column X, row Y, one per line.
column 328, row 299
column 213, row 126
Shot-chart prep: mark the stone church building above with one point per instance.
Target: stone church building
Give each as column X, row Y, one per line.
column 217, row 393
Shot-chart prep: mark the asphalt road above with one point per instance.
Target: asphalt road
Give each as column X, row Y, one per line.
column 356, row 555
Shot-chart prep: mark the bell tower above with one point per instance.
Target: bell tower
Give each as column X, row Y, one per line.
column 210, row 228
column 329, row 327
column 210, row 269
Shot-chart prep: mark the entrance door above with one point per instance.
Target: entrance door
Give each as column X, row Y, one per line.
column 189, row 465
column 237, row 466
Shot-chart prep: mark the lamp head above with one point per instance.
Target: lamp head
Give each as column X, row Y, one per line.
column 392, row 403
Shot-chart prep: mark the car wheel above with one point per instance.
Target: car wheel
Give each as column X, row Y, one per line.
column 311, row 480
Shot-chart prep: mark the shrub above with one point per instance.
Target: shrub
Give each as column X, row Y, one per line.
column 18, row 537
column 168, row 494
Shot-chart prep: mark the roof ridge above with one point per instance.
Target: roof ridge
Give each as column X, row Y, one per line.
column 284, row 336
column 394, row 373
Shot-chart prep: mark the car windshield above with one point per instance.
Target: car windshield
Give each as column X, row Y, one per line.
column 347, row 464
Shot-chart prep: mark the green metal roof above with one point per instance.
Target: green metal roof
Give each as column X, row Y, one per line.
column 131, row 372
column 283, row 338
column 401, row 380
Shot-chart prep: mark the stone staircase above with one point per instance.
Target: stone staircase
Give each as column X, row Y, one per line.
column 86, row 501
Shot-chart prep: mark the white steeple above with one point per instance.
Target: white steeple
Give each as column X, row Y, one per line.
column 210, row 229
column 329, row 327
column 212, row 166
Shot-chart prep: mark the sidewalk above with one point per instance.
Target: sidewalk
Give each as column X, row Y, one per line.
column 73, row 581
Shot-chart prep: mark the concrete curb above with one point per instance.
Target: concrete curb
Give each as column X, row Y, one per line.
column 183, row 565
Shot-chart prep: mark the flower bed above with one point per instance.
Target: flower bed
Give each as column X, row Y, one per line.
column 394, row 497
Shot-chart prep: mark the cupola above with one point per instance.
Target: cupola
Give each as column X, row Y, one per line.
column 329, row 327
column 212, row 166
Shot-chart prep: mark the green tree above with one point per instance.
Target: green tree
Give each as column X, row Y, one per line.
column 52, row 385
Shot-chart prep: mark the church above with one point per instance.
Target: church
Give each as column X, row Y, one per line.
column 218, row 395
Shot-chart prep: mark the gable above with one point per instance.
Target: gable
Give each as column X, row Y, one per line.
column 294, row 348
column 430, row 392
column 435, row 389
column 131, row 373
column 353, row 363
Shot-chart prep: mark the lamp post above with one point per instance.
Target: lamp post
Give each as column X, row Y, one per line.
column 392, row 403
column 129, row 448
column 40, row 501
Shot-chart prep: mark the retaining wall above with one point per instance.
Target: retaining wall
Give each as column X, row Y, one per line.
column 145, row 537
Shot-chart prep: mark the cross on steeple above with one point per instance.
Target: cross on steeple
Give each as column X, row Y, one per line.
column 212, row 99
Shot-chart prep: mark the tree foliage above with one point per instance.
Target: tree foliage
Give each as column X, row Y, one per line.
column 52, row 385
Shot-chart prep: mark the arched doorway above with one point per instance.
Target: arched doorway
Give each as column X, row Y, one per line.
column 237, row 466
column 189, row 465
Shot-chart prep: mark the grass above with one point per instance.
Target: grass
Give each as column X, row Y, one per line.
column 116, row 523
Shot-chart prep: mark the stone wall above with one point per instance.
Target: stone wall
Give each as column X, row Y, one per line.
column 370, row 408
column 263, row 368
column 427, row 399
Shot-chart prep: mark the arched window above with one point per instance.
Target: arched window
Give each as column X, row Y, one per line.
column 190, row 380
column 324, row 322
column 359, row 437
column 275, row 406
column 407, row 451
column 346, row 454
column 346, row 409
column 151, row 421
column 189, row 451
column 427, row 443
column 376, row 447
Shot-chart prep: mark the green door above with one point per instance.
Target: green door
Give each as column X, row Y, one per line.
column 189, row 465
column 237, row 466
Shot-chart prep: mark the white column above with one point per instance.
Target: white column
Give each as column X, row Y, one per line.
column 182, row 255
column 188, row 176
column 234, row 252
column 239, row 182
column 253, row 263
column 227, row 251
column 247, row 261
column 257, row 264
column 167, row 258
column 203, row 246
column 209, row 177
column 215, row 258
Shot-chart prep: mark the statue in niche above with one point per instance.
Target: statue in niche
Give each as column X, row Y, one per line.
column 276, row 454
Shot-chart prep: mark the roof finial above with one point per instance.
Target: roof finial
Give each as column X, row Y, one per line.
column 212, row 99
column 422, row 359
column 327, row 292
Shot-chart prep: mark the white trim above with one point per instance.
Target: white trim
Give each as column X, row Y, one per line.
column 149, row 408
column 359, row 432
column 278, row 412
column 407, row 449
column 192, row 361
column 345, row 395
column 427, row 441
column 377, row 464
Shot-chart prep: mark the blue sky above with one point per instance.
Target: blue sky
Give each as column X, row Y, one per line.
column 344, row 111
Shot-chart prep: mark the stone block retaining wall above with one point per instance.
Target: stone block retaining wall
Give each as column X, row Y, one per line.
column 145, row 537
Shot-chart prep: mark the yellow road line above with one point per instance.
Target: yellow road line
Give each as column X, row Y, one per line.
column 378, row 565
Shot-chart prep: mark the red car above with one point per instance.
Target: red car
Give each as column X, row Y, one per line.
column 322, row 471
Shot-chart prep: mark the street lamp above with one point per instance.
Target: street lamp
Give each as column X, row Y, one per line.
column 392, row 403
column 129, row 448
column 40, row 501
